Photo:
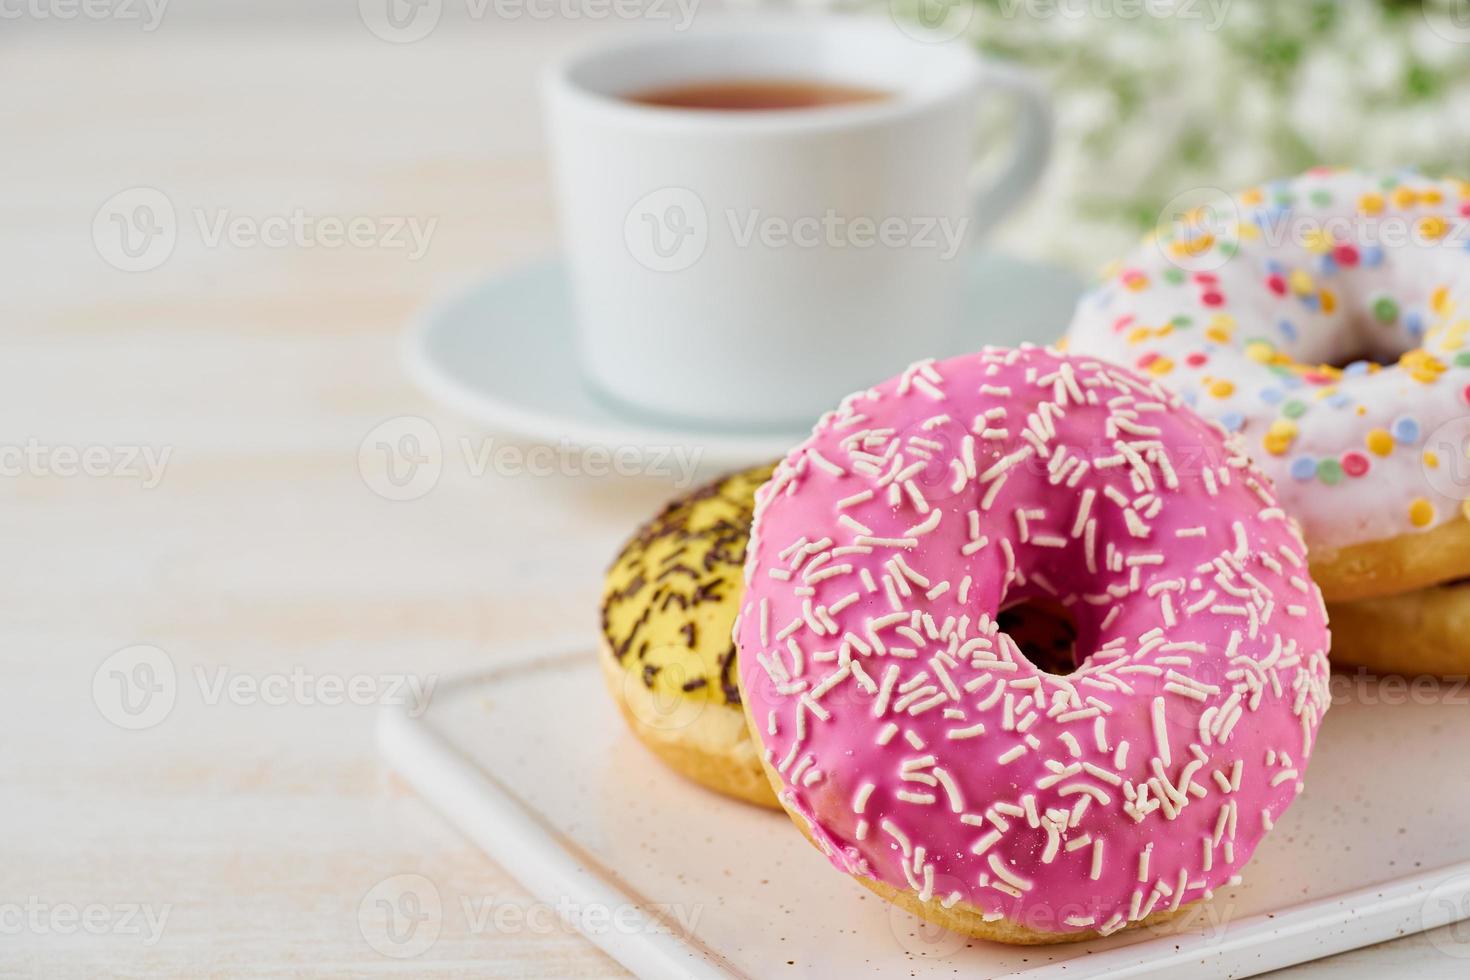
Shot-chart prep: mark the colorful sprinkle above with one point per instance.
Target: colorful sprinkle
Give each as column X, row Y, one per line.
column 1385, row 309
column 1303, row 468
column 1439, row 300
column 1421, row 512
column 1380, row 442
column 1422, row 366
column 1260, row 351
column 1354, row 463
column 1279, row 437
column 1405, row 430
column 1433, row 228
column 1161, row 366
column 1329, row 471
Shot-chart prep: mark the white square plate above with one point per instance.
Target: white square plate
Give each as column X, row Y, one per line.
column 533, row 763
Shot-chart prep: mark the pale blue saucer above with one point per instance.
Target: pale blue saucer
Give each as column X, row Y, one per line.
column 502, row 353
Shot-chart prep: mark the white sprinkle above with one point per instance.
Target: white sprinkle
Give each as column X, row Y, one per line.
column 909, row 796
column 831, row 571
column 1084, row 510
column 824, row 463
column 929, row 524
column 1161, row 731
column 1006, row 874
column 892, row 830
column 885, row 691
column 956, row 802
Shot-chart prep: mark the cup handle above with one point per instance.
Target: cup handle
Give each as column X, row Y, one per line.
column 1033, row 138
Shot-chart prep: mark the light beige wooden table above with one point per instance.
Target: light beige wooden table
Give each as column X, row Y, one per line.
column 251, row 832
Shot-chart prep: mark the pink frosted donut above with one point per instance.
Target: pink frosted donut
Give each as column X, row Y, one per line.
column 908, row 734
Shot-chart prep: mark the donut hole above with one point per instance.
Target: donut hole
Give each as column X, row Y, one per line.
column 1384, row 354
column 1045, row 632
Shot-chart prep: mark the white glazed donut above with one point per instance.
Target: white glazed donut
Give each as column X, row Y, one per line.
column 1324, row 318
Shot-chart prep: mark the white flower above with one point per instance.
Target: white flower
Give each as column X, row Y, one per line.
column 1154, row 105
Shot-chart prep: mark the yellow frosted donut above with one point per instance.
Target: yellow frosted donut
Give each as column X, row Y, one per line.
column 668, row 608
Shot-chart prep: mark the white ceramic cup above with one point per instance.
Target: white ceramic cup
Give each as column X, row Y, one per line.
column 749, row 268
